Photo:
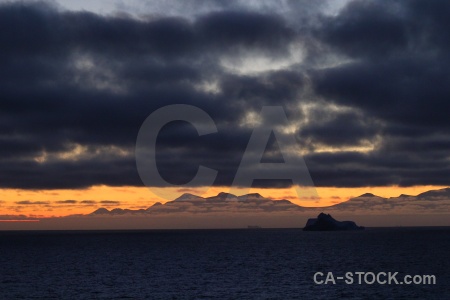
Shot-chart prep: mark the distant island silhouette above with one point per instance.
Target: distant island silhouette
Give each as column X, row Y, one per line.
column 325, row 222
column 254, row 227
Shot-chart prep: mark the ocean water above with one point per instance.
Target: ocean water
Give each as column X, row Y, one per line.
column 223, row 264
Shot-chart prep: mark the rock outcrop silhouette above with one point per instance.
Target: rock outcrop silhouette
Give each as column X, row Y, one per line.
column 325, row 222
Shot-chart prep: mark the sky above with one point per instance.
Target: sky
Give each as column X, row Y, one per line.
column 365, row 86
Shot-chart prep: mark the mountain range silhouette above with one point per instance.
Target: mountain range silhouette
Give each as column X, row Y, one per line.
column 433, row 201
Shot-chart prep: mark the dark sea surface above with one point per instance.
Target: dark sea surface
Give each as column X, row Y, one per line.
column 223, row 264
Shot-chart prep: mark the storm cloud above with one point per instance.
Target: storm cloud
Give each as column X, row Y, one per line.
column 365, row 87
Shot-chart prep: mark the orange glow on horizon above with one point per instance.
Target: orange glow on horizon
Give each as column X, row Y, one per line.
column 14, row 221
column 48, row 203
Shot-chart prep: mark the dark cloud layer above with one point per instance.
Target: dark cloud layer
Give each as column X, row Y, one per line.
column 75, row 88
